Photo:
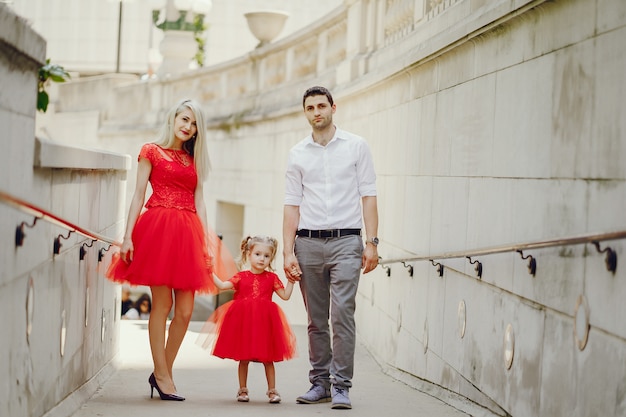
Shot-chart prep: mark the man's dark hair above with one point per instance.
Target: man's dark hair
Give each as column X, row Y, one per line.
column 317, row 91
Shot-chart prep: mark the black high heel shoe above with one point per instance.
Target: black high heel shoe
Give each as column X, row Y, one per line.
column 164, row 397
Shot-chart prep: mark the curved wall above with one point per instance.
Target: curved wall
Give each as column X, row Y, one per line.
column 60, row 316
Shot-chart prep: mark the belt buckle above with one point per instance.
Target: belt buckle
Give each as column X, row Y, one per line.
column 327, row 233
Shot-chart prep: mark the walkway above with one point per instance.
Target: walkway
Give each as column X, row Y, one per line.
column 210, row 385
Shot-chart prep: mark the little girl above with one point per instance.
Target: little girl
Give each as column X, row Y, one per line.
column 252, row 327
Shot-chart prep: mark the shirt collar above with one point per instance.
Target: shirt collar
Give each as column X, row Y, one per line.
column 338, row 135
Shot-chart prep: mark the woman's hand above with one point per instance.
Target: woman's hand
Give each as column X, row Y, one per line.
column 127, row 251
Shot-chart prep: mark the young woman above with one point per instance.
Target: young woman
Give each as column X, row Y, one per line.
column 165, row 247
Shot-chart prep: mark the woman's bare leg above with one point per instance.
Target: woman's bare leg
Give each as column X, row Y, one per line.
column 183, row 308
column 161, row 306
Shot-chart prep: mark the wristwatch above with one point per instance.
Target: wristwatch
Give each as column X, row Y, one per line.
column 373, row 241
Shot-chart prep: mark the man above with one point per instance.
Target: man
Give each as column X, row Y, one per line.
column 330, row 192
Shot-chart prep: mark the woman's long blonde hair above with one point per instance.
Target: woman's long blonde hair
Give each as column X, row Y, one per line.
column 196, row 147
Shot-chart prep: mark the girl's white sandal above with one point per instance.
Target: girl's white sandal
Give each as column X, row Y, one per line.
column 274, row 396
column 242, row 395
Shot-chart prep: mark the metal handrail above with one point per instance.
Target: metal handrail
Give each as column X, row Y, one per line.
column 595, row 238
column 42, row 214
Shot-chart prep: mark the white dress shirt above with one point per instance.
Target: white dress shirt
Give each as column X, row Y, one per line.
column 328, row 182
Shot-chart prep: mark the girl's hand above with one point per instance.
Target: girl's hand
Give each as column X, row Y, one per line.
column 222, row 285
column 292, row 268
column 127, row 251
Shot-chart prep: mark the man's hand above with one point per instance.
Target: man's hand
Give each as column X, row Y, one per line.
column 292, row 268
column 370, row 258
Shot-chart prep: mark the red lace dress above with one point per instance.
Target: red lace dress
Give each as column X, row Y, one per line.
column 169, row 241
column 251, row 326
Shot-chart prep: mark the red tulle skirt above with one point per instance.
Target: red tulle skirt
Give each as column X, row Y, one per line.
column 170, row 249
column 253, row 330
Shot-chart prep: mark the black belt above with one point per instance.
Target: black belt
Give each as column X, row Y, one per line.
column 328, row 233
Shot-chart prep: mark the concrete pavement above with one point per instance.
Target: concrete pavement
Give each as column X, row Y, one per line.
column 210, row 386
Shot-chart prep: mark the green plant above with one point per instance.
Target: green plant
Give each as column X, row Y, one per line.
column 52, row 72
column 199, row 28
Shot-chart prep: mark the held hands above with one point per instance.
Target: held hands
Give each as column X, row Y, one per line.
column 292, row 268
column 222, row 285
column 294, row 273
column 370, row 258
column 127, row 251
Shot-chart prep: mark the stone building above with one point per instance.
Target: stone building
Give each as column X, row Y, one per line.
column 498, row 135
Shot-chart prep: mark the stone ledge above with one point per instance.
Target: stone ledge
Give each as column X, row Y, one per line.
column 49, row 154
column 15, row 31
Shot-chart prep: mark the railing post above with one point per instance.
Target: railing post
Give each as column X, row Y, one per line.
column 379, row 16
column 418, row 11
column 352, row 66
column 322, row 47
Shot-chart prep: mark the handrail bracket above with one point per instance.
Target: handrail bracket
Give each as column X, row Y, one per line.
column 532, row 263
column 409, row 267
column 57, row 242
column 439, row 267
column 478, row 268
column 610, row 259
column 19, row 232
column 83, row 251
column 101, row 253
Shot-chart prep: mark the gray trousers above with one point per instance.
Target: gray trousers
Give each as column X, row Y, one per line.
column 331, row 269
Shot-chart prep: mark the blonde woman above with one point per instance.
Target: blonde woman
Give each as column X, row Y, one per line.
column 165, row 246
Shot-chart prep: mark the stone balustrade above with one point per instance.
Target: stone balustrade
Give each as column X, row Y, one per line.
column 356, row 44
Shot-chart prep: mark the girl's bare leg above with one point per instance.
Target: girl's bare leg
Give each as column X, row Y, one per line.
column 183, row 308
column 243, row 373
column 161, row 306
column 270, row 374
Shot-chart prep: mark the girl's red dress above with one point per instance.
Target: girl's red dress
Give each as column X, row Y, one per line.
column 170, row 247
column 251, row 327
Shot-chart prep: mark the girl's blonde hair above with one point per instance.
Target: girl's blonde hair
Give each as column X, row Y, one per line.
column 196, row 147
column 248, row 243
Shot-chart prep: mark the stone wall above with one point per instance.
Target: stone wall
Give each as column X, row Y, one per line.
column 59, row 314
column 491, row 122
